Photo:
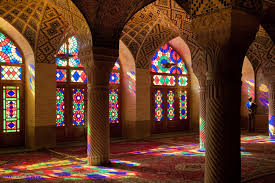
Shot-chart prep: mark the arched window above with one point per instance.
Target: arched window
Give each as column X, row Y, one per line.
column 169, row 90
column 71, row 91
column 114, row 101
column 12, row 92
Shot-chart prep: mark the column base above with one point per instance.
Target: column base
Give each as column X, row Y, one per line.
column 98, row 161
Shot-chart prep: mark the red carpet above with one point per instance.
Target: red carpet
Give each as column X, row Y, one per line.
column 175, row 159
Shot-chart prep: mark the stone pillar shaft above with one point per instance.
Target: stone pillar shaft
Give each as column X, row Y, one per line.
column 98, row 125
column 271, row 116
column 98, row 135
column 222, row 158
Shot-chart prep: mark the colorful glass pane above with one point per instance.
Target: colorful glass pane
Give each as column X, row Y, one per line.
column 61, row 62
column 181, row 67
column 60, row 107
column 183, row 81
column 11, row 109
column 113, row 106
column 114, row 78
column 73, row 46
column 8, row 51
column 11, row 73
column 166, row 55
column 162, row 57
column 163, row 80
column 61, row 75
column 171, row 105
column 158, row 105
column 75, row 62
column 183, row 104
column 62, row 50
column 78, row 76
column 116, row 66
column 78, row 107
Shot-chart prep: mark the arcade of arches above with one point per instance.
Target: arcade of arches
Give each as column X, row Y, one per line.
column 94, row 72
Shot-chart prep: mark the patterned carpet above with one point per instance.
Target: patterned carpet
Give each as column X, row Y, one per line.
column 174, row 159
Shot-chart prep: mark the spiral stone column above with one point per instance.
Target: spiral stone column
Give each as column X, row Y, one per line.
column 225, row 35
column 202, row 116
column 222, row 160
column 98, row 146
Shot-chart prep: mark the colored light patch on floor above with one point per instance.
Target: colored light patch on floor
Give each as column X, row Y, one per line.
column 125, row 162
column 186, row 150
column 87, row 172
column 25, row 176
column 5, row 171
column 67, row 170
column 257, row 139
column 115, row 161
column 46, row 165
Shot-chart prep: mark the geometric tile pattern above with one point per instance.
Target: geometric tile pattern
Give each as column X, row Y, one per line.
column 78, row 76
column 78, row 107
column 171, row 105
column 11, row 109
column 61, row 75
column 8, row 51
column 182, row 81
column 163, row 80
column 183, row 104
column 11, row 73
column 114, row 78
column 201, row 7
column 43, row 24
column 158, row 106
column 60, row 107
column 113, row 106
column 114, row 95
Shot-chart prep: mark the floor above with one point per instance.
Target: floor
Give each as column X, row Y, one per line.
column 162, row 158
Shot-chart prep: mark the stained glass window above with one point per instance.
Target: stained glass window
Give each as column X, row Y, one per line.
column 11, row 73
column 11, row 109
column 166, row 55
column 61, row 75
column 60, row 107
column 8, row 51
column 171, row 105
column 158, row 105
column 11, row 81
column 114, row 94
column 183, row 81
column 114, row 78
column 117, row 66
column 113, row 106
column 67, row 60
column 169, row 74
column 164, row 80
column 71, row 85
column 78, row 107
column 78, row 76
column 183, row 104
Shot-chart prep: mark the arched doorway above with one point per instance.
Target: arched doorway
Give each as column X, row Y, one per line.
column 169, row 91
column 71, row 93
column 12, row 126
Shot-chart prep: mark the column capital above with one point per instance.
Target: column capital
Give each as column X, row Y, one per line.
column 99, row 73
column 102, row 54
column 226, row 36
column 224, row 26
